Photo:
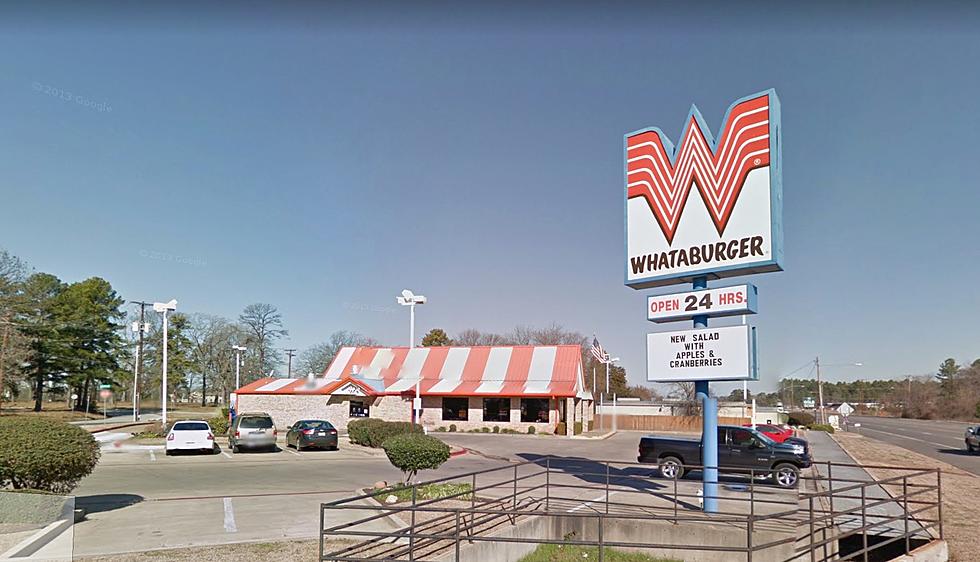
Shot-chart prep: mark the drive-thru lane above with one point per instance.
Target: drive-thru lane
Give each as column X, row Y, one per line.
column 941, row 440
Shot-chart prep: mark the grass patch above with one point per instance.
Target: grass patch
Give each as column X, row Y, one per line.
column 570, row 553
column 428, row 492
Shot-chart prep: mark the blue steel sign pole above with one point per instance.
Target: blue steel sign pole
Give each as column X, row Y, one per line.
column 709, row 426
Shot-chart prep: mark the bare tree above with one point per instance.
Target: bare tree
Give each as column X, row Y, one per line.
column 264, row 326
column 315, row 359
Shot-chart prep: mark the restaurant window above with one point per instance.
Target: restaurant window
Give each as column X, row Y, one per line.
column 534, row 410
column 359, row 409
column 496, row 409
column 455, row 409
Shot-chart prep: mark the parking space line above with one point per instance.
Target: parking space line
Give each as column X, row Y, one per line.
column 288, row 450
column 225, row 453
column 153, row 456
column 229, row 517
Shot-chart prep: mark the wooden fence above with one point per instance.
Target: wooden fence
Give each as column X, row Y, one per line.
column 660, row 423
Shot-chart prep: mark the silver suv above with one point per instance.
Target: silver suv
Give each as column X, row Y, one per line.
column 972, row 439
column 252, row 431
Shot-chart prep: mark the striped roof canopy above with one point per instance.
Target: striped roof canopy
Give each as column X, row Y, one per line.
column 542, row 370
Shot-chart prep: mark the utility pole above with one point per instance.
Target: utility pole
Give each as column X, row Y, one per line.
column 823, row 416
column 139, row 359
column 289, row 368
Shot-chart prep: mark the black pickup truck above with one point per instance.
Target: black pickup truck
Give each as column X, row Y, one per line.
column 740, row 450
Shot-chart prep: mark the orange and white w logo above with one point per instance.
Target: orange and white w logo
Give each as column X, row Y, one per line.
column 664, row 176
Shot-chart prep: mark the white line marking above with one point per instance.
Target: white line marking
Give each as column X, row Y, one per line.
column 230, row 517
column 588, row 503
column 288, row 450
column 153, row 456
column 225, row 453
column 957, row 446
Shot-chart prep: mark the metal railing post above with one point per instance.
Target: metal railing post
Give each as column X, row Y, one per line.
column 607, row 487
column 515, row 491
column 830, row 491
column 750, row 527
column 905, row 508
column 864, row 521
column 472, row 505
column 547, row 485
column 457, row 535
column 939, row 501
column 813, row 549
column 411, row 533
column 675, row 499
column 320, row 531
column 601, row 555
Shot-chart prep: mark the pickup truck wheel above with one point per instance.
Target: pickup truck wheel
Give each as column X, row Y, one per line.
column 786, row 475
column 671, row 467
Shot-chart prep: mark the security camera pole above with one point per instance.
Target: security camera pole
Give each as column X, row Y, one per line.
column 410, row 299
column 163, row 308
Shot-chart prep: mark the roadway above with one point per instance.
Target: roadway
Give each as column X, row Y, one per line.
column 941, row 440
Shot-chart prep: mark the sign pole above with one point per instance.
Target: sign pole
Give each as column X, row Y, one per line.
column 709, row 426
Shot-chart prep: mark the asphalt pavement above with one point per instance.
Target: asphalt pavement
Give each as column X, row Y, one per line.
column 941, row 440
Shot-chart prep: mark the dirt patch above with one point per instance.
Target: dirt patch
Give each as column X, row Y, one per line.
column 960, row 489
column 272, row 551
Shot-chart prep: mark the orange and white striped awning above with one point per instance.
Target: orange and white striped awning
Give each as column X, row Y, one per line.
column 540, row 370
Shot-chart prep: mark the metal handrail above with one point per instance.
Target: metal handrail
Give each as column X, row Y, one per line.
column 524, row 495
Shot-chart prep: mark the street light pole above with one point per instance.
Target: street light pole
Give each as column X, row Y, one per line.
column 164, row 308
column 823, row 416
column 239, row 349
column 410, row 299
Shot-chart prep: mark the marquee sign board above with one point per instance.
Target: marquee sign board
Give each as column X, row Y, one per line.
column 716, row 354
column 705, row 207
column 723, row 301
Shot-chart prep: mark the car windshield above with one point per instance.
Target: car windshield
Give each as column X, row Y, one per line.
column 766, row 440
column 191, row 426
column 316, row 424
column 255, row 423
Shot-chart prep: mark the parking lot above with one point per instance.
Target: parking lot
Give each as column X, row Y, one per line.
column 137, row 492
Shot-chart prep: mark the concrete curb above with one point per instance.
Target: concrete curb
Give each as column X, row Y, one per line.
column 35, row 542
column 597, row 437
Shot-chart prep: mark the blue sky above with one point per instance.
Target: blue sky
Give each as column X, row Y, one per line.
column 322, row 159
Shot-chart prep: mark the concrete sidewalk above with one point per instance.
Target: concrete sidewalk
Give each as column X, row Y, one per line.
column 824, row 448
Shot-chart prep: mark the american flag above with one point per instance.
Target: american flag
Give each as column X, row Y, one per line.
column 597, row 350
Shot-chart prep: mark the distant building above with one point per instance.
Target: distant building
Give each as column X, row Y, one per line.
column 513, row 387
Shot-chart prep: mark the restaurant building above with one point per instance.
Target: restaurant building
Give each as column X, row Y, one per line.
column 510, row 387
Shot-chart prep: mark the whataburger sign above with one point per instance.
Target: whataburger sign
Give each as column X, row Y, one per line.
column 705, row 207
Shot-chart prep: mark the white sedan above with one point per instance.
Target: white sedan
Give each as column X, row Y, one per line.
column 191, row 435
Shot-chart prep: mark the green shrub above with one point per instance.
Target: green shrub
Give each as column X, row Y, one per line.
column 531, row 430
column 373, row 432
column 577, row 428
column 452, row 427
column 219, row 425
column 800, row 418
column 225, row 412
column 44, row 454
column 151, row 431
column 358, row 430
column 484, row 430
column 412, row 452
column 441, row 429
column 496, row 429
column 822, row 427
column 560, row 428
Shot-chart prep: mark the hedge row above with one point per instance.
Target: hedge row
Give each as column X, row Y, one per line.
column 373, row 432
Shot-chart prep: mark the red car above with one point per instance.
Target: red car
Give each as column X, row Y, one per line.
column 774, row 432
